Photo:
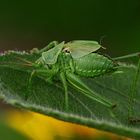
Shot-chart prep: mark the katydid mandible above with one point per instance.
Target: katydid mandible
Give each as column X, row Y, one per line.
column 72, row 60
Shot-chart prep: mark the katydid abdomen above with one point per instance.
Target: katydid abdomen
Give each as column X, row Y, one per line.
column 93, row 65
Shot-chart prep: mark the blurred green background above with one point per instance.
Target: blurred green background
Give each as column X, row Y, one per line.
column 28, row 24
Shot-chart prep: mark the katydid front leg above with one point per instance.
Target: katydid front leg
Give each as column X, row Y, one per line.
column 78, row 84
column 49, row 46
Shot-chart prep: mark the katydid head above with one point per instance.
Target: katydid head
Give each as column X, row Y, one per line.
column 80, row 48
column 67, row 50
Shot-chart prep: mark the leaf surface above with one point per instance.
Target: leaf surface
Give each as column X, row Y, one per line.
column 48, row 98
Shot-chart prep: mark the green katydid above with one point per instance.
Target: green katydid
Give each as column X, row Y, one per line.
column 71, row 60
column 79, row 57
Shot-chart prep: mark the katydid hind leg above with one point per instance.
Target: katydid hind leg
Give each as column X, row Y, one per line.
column 78, row 100
column 79, row 85
column 132, row 94
column 127, row 56
column 64, row 82
column 83, row 105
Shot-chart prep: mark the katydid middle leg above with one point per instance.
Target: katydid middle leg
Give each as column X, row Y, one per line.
column 44, row 74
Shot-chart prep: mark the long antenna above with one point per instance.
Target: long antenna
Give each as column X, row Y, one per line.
column 101, row 40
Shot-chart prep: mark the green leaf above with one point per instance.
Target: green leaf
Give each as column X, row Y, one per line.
column 48, row 98
column 7, row 133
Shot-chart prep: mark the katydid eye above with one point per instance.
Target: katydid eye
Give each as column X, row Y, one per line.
column 66, row 50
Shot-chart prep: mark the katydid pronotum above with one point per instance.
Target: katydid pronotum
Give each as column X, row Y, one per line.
column 75, row 59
